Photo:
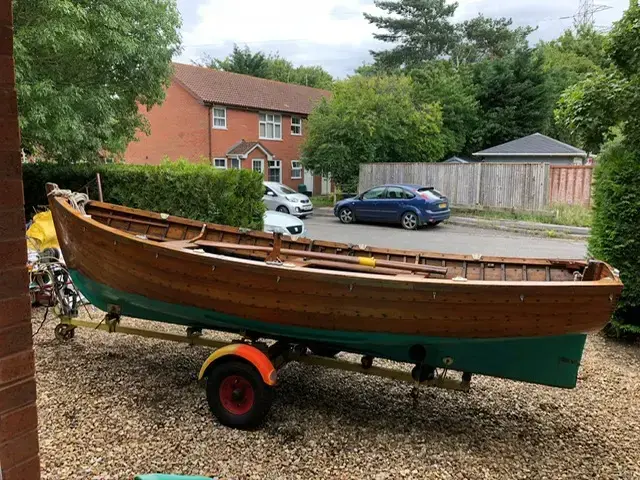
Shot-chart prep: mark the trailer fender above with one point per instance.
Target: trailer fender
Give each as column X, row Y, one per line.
column 251, row 354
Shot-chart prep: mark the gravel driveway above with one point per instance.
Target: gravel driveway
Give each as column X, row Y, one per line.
column 112, row 406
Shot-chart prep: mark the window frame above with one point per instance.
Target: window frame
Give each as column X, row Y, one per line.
column 382, row 197
column 213, row 118
column 266, row 122
column 301, row 174
column 296, row 125
column 239, row 160
column 213, row 163
column 279, row 167
column 261, row 160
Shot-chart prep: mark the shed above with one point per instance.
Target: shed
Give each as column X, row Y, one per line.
column 532, row 149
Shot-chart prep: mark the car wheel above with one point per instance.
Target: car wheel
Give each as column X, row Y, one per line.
column 409, row 221
column 346, row 215
column 282, row 209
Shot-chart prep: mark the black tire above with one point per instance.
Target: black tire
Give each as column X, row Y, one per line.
column 346, row 215
column 248, row 415
column 409, row 221
column 282, row 209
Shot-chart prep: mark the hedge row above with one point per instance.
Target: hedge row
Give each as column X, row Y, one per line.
column 197, row 191
column 615, row 234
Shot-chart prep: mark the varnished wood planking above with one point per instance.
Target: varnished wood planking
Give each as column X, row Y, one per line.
column 135, row 267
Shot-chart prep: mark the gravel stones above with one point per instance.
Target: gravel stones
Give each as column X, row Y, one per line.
column 112, row 406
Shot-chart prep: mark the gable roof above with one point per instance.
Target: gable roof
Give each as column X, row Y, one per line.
column 458, row 159
column 234, row 89
column 243, row 148
column 533, row 145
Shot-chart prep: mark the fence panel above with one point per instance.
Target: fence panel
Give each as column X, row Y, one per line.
column 522, row 186
column 571, row 184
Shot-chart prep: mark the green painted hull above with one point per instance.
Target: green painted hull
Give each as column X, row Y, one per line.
column 550, row 361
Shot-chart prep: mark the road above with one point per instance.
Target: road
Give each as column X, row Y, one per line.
column 446, row 238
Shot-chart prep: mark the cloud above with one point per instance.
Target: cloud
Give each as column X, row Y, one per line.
column 334, row 34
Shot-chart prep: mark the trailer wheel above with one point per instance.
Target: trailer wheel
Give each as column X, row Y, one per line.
column 64, row 332
column 236, row 394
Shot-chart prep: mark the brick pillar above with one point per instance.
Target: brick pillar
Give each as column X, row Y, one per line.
column 18, row 419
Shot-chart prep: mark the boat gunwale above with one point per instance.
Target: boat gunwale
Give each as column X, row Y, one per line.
column 342, row 276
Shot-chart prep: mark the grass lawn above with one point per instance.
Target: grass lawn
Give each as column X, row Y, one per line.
column 559, row 214
column 322, row 201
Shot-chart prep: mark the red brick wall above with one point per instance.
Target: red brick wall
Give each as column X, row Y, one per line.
column 18, row 418
column 179, row 128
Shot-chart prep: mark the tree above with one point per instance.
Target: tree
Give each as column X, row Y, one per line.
column 83, row 67
column 440, row 82
column 241, row 60
column 513, row 95
column 483, row 38
column 421, row 29
column 572, row 57
column 271, row 66
column 368, row 120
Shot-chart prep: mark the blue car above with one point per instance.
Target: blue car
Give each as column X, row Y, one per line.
column 409, row 205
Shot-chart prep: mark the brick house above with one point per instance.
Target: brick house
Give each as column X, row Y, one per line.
column 231, row 121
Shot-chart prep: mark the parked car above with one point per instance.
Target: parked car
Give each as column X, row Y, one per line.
column 277, row 222
column 409, row 205
column 283, row 199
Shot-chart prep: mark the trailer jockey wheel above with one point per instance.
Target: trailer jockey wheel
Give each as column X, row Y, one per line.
column 64, row 332
column 237, row 395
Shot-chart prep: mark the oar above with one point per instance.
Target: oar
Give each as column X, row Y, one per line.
column 366, row 261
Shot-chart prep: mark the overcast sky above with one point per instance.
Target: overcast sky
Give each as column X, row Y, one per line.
column 334, row 34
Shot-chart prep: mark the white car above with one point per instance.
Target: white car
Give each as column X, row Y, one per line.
column 283, row 199
column 277, row 222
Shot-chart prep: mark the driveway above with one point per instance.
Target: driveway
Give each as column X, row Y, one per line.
column 446, row 238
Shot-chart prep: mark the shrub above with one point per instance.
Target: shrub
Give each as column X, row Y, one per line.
column 197, row 191
column 615, row 235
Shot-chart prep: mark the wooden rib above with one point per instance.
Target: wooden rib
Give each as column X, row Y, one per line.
column 547, row 271
column 503, row 272
column 524, row 273
column 481, row 270
column 464, row 269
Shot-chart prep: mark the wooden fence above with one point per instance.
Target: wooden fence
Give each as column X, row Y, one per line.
column 523, row 186
column 571, row 184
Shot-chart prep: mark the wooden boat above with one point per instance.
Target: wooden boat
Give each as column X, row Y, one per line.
column 517, row 318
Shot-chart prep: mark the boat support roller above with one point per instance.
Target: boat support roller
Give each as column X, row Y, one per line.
column 248, row 353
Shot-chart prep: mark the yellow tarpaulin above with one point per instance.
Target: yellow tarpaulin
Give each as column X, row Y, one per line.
column 42, row 233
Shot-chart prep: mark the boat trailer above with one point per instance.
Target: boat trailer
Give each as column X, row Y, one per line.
column 240, row 374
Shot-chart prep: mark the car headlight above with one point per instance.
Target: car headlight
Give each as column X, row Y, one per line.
column 293, row 199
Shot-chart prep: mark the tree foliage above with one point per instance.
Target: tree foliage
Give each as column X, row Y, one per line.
column 484, row 38
column 440, row 82
column 272, row 67
column 422, row 30
column 615, row 234
column 367, row 120
column 82, row 68
column 513, row 95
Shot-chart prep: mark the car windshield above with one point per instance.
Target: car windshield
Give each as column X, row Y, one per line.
column 285, row 190
column 430, row 193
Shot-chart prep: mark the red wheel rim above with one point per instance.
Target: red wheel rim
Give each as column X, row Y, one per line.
column 236, row 394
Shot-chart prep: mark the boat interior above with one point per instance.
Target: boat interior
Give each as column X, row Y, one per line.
column 181, row 233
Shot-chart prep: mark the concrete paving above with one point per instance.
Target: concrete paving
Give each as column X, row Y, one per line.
column 446, row 238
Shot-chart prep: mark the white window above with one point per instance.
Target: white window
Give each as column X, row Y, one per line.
column 220, row 118
column 220, row 163
column 296, row 126
column 275, row 168
column 236, row 163
column 257, row 165
column 271, row 126
column 296, row 169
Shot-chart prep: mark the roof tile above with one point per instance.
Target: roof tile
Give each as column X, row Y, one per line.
column 233, row 89
column 536, row 144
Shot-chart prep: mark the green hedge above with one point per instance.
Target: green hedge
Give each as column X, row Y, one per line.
column 615, row 234
column 197, row 191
